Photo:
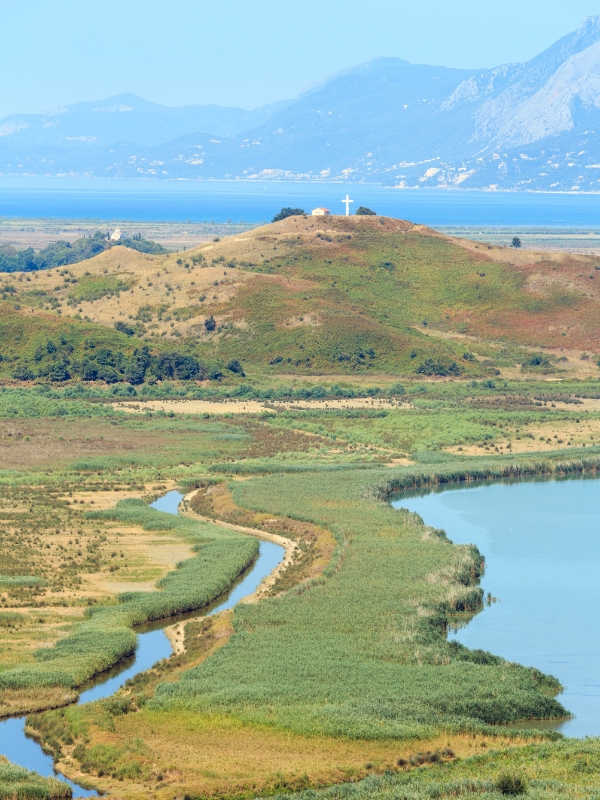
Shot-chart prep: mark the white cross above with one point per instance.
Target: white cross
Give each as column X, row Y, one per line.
column 347, row 201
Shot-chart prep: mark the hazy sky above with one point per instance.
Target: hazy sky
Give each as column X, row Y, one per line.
column 239, row 52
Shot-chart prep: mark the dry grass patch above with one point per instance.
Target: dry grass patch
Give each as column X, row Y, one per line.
column 201, row 407
column 541, row 437
column 204, row 756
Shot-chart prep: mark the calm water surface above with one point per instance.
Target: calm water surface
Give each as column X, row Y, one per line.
column 541, row 543
column 152, row 646
column 258, row 201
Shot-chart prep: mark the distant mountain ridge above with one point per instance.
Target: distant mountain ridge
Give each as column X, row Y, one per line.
column 533, row 125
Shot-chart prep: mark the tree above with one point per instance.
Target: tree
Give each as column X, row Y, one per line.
column 123, row 327
column 288, row 212
column 210, row 323
column 516, row 242
column 235, row 366
column 363, row 211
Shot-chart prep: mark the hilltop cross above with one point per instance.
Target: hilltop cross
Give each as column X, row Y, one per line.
column 347, row 201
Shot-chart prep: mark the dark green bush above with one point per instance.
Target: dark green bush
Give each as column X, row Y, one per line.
column 511, row 783
column 288, row 212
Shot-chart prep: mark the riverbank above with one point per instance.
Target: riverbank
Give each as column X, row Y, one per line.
column 359, row 617
column 268, row 638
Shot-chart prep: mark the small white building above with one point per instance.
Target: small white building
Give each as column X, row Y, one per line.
column 320, row 212
column 115, row 235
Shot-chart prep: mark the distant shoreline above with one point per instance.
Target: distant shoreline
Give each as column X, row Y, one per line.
column 352, row 186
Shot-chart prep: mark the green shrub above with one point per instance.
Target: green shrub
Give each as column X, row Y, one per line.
column 288, row 212
column 511, row 783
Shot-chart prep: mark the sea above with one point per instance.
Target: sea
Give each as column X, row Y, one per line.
column 259, row 201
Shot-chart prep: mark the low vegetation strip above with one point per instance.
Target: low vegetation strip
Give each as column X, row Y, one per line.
column 549, row 771
column 16, row 782
column 107, row 635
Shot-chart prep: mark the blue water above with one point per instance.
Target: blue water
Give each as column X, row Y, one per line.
column 541, row 543
column 152, row 646
column 249, row 201
column 169, row 502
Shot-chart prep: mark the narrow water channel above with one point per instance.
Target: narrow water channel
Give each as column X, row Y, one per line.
column 152, row 646
column 541, row 543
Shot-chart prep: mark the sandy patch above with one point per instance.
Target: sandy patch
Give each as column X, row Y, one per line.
column 539, row 438
column 253, row 406
column 193, row 406
column 290, row 547
column 176, row 633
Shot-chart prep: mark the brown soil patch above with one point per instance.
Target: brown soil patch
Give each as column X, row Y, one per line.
column 26, row 443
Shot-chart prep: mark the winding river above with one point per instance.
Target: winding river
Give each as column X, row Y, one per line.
column 541, row 543
column 152, row 646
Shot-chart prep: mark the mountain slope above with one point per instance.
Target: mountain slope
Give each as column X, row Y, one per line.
column 533, row 125
column 90, row 136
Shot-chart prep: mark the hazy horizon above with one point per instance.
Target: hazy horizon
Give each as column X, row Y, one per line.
column 241, row 56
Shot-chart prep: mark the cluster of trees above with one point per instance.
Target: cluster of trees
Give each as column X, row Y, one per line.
column 57, row 362
column 442, row 367
column 288, row 212
column 63, row 253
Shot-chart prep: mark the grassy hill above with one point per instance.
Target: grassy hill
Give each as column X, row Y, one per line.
column 63, row 253
column 338, row 296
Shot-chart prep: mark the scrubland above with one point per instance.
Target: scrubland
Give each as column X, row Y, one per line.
column 354, row 297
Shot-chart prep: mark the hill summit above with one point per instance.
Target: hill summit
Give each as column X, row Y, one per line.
column 331, row 296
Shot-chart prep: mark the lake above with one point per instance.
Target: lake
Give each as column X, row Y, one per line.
column 249, row 201
column 541, row 543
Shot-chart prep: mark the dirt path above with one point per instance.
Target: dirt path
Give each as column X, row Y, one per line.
column 176, row 633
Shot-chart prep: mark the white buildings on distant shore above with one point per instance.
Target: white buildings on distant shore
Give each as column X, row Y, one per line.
column 320, row 212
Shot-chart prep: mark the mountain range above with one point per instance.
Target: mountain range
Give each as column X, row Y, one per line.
column 528, row 126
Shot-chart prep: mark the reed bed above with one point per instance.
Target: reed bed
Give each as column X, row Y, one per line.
column 549, row 771
column 361, row 653
column 17, row 783
column 107, row 635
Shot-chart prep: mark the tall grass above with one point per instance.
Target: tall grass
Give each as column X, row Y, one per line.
column 17, row 782
column 107, row 635
column 361, row 653
column 550, row 771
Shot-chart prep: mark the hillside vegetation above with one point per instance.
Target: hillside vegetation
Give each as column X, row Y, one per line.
column 62, row 253
column 341, row 296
